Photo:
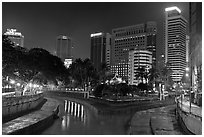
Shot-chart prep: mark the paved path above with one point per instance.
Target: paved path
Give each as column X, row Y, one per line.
column 158, row 121
column 32, row 122
column 185, row 106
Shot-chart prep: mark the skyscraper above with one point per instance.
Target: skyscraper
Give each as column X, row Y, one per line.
column 175, row 42
column 124, row 39
column 100, row 49
column 16, row 37
column 64, row 47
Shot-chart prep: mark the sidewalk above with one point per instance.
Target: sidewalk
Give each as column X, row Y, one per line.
column 185, row 106
column 158, row 121
column 32, row 122
column 190, row 118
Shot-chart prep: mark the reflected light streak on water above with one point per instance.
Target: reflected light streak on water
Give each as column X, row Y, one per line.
column 77, row 119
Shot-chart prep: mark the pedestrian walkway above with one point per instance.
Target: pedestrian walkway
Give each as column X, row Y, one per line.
column 158, row 121
column 34, row 121
column 190, row 117
column 185, row 106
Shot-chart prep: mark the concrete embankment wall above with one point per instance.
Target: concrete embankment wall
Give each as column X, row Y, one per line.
column 76, row 97
column 74, row 94
column 190, row 123
column 12, row 106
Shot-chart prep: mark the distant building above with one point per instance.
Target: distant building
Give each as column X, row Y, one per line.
column 16, row 37
column 137, row 59
column 175, row 42
column 124, row 39
column 64, row 47
column 187, row 50
column 68, row 62
column 100, row 49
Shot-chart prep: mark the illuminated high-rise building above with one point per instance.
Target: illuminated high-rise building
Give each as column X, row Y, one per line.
column 16, row 37
column 124, row 39
column 138, row 59
column 100, row 49
column 64, row 47
column 175, row 42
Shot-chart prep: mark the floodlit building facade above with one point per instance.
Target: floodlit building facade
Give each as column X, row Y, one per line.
column 124, row 39
column 175, row 42
column 100, row 49
column 16, row 37
column 138, row 59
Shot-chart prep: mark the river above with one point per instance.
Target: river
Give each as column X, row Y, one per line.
column 84, row 120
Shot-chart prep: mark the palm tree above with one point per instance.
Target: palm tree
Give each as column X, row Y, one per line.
column 141, row 74
column 153, row 75
column 104, row 73
column 82, row 71
column 165, row 74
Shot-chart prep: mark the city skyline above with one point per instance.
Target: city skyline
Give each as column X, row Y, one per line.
column 42, row 30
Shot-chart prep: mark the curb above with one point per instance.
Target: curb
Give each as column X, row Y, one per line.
column 33, row 122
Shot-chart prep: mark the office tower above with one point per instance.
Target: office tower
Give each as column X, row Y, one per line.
column 187, row 50
column 175, row 42
column 138, row 59
column 195, row 50
column 16, row 37
column 100, row 49
column 64, row 47
column 140, row 36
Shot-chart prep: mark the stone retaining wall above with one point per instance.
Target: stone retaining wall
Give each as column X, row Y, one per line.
column 190, row 122
column 12, row 106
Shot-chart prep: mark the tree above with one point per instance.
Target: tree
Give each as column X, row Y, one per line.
column 104, row 73
column 98, row 90
column 165, row 74
column 34, row 65
column 82, row 71
column 153, row 75
column 141, row 74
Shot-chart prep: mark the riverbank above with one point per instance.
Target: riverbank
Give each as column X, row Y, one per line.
column 34, row 121
column 117, row 107
column 157, row 121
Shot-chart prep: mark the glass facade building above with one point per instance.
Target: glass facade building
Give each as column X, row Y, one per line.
column 64, row 47
column 100, row 49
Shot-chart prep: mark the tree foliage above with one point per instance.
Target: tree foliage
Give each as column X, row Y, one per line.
column 29, row 65
column 82, row 72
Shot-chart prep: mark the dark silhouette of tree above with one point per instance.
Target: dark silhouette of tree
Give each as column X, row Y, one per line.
column 83, row 72
column 165, row 74
column 141, row 74
column 153, row 76
column 30, row 65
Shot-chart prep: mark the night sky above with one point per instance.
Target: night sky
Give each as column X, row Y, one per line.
column 41, row 23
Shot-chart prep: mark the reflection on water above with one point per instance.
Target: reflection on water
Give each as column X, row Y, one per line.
column 73, row 109
column 78, row 119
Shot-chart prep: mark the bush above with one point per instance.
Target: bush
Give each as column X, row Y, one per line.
column 98, row 90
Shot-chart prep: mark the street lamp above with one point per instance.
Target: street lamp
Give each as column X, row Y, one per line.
column 12, row 81
column 187, row 77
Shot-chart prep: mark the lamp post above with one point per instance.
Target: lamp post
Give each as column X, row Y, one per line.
column 187, row 80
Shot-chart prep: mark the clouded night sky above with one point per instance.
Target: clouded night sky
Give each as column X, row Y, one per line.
column 41, row 23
